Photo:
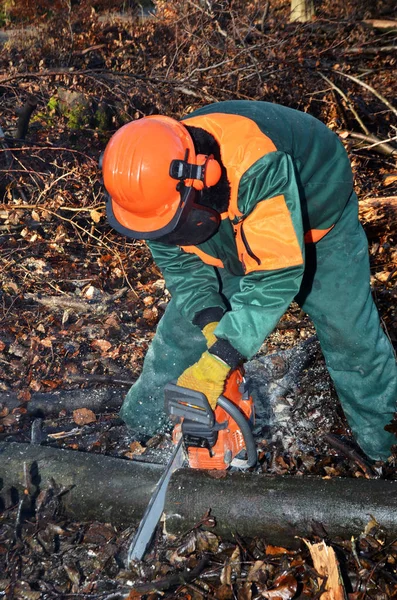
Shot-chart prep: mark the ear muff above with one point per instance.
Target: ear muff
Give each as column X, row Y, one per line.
column 210, row 174
column 203, row 173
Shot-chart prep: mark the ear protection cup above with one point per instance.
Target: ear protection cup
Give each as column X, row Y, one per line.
column 211, row 172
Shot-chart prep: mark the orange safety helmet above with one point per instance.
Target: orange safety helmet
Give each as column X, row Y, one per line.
column 152, row 175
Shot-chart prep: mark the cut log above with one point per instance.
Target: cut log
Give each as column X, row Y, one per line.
column 276, row 508
column 50, row 404
column 279, row 509
column 103, row 488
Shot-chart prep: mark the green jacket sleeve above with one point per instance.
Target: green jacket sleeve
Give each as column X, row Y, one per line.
column 264, row 295
column 257, row 307
column 193, row 284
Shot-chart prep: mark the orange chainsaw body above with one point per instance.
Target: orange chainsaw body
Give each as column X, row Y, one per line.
column 230, row 441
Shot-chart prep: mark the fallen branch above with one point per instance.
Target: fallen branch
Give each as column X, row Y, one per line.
column 78, row 306
column 103, row 379
column 165, row 583
column 346, row 99
column 370, row 50
column 381, row 23
column 380, row 146
column 51, row 404
column 371, row 89
column 351, row 454
column 390, row 201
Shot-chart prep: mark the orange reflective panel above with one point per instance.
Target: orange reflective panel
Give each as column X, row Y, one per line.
column 242, row 144
column 266, row 239
column 315, row 235
column 206, row 258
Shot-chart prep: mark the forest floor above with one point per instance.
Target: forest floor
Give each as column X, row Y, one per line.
column 79, row 304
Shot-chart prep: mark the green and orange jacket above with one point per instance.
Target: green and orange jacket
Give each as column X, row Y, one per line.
column 290, row 179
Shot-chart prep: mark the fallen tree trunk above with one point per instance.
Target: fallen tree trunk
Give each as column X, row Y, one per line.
column 276, row 508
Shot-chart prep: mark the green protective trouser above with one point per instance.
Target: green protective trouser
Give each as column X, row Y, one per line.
column 335, row 293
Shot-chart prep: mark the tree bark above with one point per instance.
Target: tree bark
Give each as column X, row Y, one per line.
column 301, row 10
column 275, row 508
column 279, row 509
column 24, row 115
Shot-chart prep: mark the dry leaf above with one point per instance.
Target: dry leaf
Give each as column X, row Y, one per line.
column 245, row 593
column 52, row 383
column 137, row 448
column 102, row 345
column 9, row 420
column 224, row 592
column 150, row 314
column 35, row 385
column 4, row 411
column 72, row 572
column 235, row 561
column 390, row 178
column 255, row 570
column 206, row 541
column 226, row 574
column 24, row 395
column 188, row 545
column 134, row 595
column 23, row 591
column 275, row 550
column 46, row 342
column 83, row 416
column 284, row 588
column 95, row 215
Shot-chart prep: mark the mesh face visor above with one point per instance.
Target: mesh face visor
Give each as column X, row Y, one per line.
column 192, row 223
column 196, row 224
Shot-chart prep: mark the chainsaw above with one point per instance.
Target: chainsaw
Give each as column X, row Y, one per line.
column 204, row 439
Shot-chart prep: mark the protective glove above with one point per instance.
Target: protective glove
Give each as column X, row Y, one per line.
column 207, row 375
column 208, row 333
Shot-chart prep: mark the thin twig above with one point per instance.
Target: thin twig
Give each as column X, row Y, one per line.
column 187, row 576
column 393, row 139
column 346, row 99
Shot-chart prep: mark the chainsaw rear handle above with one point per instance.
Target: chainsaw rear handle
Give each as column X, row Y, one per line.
column 245, row 428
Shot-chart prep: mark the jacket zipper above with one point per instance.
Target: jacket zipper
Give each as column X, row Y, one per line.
column 247, row 246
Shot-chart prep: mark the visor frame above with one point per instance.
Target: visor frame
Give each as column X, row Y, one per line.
column 187, row 203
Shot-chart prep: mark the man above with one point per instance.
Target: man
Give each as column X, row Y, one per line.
column 247, row 206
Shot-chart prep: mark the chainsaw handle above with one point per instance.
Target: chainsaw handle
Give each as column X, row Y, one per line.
column 244, row 426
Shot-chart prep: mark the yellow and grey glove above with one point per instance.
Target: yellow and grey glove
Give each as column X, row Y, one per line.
column 208, row 333
column 208, row 375
column 208, row 320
